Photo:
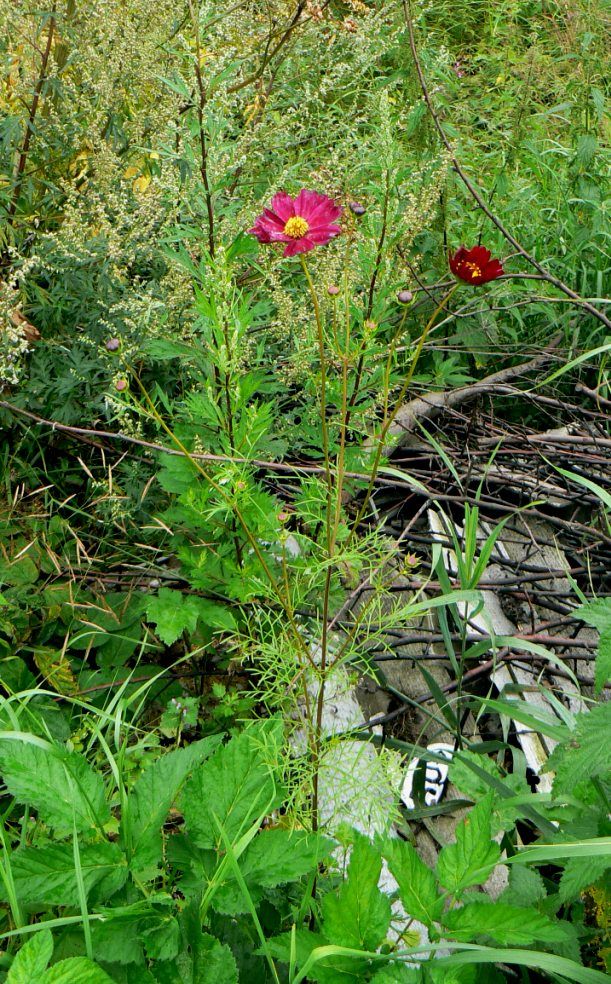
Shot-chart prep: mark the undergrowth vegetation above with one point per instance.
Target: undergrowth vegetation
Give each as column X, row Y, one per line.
column 231, row 260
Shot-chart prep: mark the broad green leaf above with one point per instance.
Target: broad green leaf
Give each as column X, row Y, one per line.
column 417, row 883
column 598, row 614
column 45, row 875
column 396, row 974
column 75, row 970
column 359, row 914
column 231, row 788
column 274, row 857
column 60, row 785
column 172, row 613
column 29, row 965
column 472, row 857
column 602, row 667
column 579, row 874
column 214, row 963
column 161, row 938
column 153, row 794
column 507, row 924
column 525, row 887
column 587, row 751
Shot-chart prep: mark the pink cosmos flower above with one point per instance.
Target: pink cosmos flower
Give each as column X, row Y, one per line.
column 302, row 222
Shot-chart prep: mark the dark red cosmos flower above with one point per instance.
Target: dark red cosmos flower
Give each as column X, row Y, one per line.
column 302, row 222
column 475, row 265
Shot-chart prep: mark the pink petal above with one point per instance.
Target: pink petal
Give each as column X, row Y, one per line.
column 273, row 219
column 303, row 245
column 283, row 206
column 323, row 235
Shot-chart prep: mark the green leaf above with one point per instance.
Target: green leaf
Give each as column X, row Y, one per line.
column 566, row 969
column 153, row 794
column 214, row 963
column 586, row 753
column 162, row 938
column 602, row 668
column 45, row 875
column 598, row 614
column 75, row 970
column 396, row 974
column 274, row 857
column 417, row 883
column 525, row 887
column 359, row 914
column 29, row 965
column 172, row 613
column 507, row 924
column 472, row 857
column 579, row 874
column 234, row 787
column 58, row 784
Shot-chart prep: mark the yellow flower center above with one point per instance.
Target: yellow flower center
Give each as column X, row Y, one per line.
column 474, row 270
column 296, row 227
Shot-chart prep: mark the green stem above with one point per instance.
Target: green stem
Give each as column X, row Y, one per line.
column 399, row 402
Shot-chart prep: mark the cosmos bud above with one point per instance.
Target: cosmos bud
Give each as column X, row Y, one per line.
column 404, row 296
column 112, row 344
column 332, row 290
column 357, row 208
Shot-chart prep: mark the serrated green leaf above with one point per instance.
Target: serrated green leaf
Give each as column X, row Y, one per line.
column 232, row 788
column 214, row 963
column 60, row 785
column 29, row 965
column 161, row 938
column 76, row 970
column 472, row 857
column 358, row 916
column 45, row 875
column 274, row 857
column 172, row 613
column 396, row 974
column 525, row 887
column 507, row 924
column 153, row 794
column 579, row 874
column 586, row 753
column 602, row 667
column 417, row 883
column 598, row 614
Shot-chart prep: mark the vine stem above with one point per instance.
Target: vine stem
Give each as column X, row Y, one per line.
column 399, row 401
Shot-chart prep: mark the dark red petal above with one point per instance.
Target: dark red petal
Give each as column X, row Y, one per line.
column 283, row 206
column 303, row 245
column 479, row 255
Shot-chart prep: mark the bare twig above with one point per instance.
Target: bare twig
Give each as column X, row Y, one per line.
column 546, row 275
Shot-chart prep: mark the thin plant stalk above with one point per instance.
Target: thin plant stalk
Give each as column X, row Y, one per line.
column 399, row 401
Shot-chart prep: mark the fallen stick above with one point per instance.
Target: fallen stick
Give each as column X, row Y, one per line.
column 432, row 404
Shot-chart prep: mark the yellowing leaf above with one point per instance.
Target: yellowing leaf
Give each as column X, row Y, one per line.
column 57, row 671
